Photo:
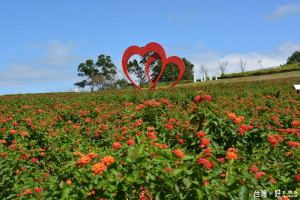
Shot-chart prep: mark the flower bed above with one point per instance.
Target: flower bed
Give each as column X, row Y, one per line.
column 218, row 141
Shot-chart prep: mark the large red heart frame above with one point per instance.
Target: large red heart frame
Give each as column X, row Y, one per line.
column 159, row 54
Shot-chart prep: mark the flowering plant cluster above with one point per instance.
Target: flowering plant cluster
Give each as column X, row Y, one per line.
column 219, row 141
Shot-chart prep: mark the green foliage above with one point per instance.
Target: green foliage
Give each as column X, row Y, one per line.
column 138, row 68
column 100, row 74
column 171, row 71
column 294, row 58
column 287, row 68
column 123, row 83
column 52, row 146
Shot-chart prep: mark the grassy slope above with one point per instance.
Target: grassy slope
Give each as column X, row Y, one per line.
column 251, row 78
column 228, row 80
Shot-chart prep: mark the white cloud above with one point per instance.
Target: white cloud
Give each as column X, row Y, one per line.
column 57, row 64
column 55, row 53
column 26, row 75
column 211, row 59
column 284, row 11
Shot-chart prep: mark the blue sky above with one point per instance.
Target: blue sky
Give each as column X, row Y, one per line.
column 43, row 42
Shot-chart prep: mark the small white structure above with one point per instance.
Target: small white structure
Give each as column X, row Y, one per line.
column 210, row 76
column 297, row 87
column 76, row 89
column 217, row 75
column 195, row 80
column 203, row 77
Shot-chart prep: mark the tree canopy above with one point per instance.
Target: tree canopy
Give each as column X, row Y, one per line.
column 294, row 58
column 171, row 71
column 100, row 75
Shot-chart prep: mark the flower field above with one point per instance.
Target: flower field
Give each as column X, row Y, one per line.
column 212, row 141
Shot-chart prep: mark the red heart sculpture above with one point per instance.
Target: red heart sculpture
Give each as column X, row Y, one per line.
column 159, row 54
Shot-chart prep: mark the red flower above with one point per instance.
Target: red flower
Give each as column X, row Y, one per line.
column 221, row 160
column 34, row 160
column 38, row 190
column 167, row 169
column 116, row 145
column 46, row 175
column 259, row 174
column 273, row 141
column 254, row 168
column 4, row 155
column 208, row 164
column 207, row 97
column 200, row 134
column 297, row 177
column 204, row 143
column 198, row 98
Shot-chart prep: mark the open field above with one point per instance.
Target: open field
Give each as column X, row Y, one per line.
column 198, row 141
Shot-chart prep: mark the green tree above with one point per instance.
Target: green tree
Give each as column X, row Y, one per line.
column 189, row 70
column 87, row 70
column 294, row 58
column 171, row 71
column 139, row 69
column 100, row 75
column 122, row 83
column 108, row 69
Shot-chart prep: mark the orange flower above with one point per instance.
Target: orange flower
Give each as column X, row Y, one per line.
column 99, row 168
column 237, row 121
column 27, row 191
column 273, row 181
column 108, row 160
column 232, row 150
column 77, row 153
column 84, row 160
column 92, row 155
column 178, row 153
column 284, row 198
column 231, row 156
column 23, row 134
column 289, row 154
column 69, row 182
column 151, row 128
column 2, row 141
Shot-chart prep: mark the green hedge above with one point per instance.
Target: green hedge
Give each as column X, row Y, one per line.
column 286, row 68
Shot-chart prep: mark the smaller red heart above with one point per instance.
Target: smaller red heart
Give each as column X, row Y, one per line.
column 173, row 59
